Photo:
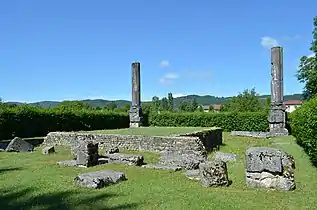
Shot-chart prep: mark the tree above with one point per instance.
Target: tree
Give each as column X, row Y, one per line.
column 184, row 106
column 170, row 102
column 247, row 101
column 200, row 108
column 193, row 105
column 211, row 108
column 111, row 106
column 307, row 72
column 155, row 105
column 164, row 104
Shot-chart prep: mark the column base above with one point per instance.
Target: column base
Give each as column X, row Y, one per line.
column 135, row 124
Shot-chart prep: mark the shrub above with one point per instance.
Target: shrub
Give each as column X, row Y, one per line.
column 303, row 123
column 27, row 121
column 244, row 121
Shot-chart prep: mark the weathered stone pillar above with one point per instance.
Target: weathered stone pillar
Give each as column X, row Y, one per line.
column 277, row 115
column 136, row 110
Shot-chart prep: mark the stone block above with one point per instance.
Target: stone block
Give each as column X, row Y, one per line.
column 192, row 174
column 162, row 167
column 128, row 159
column 99, row 179
column 87, row 154
column 48, row 150
column 19, row 145
column 188, row 161
column 225, row 157
column 269, row 168
column 67, row 163
column 103, row 161
column 213, row 173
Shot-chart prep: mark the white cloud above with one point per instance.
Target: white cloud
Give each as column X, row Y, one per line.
column 268, row 42
column 311, row 55
column 169, row 77
column 164, row 64
column 177, row 95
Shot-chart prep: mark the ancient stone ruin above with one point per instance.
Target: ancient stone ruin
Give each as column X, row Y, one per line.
column 213, row 173
column 277, row 115
column 269, row 168
column 136, row 109
column 19, row 145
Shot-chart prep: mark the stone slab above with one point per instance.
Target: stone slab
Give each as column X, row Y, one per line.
column 99, row 179
column 103, row 161
column 187, row 161
column 19, row 145
column 224, row 156
column 213, row 174
column 129, row 159
column 67, row 163
column 48, row 150
column 192, row 174
column 162, row 167
column 259, row 159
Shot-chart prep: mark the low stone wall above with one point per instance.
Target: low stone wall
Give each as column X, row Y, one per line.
column 198, row 142
column 255, row 134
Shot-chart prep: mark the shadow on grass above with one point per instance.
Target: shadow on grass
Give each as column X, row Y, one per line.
column 28, row 198
column 4, row 170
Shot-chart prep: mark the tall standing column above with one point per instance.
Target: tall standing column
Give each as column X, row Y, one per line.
column 136, row 110
column 277, row 115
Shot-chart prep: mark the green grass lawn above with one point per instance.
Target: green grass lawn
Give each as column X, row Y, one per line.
column 34, row 181
column 149, row 131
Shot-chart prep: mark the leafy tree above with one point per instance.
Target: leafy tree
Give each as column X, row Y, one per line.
column 247, row 101
column 193, row 105
column 155, row 105
column 200, row 108
column 164, row 104
column 146, row 107
column 111, row 106
column 126, row 107
column 184, row 106
column 170, row 102
column 307, row 72
column 211, row 108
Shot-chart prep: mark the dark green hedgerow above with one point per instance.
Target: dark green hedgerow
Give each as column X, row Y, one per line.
column 246, row 121
column 26, row 121
column 304, row 127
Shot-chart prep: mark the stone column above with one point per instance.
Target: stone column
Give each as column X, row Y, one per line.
column 277, row 115
column 136, row 110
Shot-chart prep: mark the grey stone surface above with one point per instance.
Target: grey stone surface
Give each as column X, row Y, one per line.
column 103, row 161
column 162, row 167
column 225, row 157
column 19, row 145
column 277, row 116
column 67, row 163
column 253, row 134
column 48, row 150
column 270, row 168
column 192, row 174
column 213, row 174
column 186, row 160
column 129, row 159
column 198, row 142
column 87, row 154
column 111, row 150
column 99, row 179
column 135, row 114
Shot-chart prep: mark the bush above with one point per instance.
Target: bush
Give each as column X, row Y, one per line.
column 303, row 123
column 243, row 121
column 26, row 121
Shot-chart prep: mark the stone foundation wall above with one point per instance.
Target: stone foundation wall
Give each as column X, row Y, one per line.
column 197, row 142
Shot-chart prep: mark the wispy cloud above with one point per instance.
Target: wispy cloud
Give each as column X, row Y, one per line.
column 164, row 64
column 169, row 77
column 311, row 55
column 177, row 95
column 268, row 42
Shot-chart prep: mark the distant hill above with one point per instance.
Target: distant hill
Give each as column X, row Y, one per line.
column 203, row 100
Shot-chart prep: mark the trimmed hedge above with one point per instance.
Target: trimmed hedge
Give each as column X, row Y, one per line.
column 243, row 121
column 303, row 123
column 27, row 121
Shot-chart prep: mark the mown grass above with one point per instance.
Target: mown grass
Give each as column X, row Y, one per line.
column 34, row 181
column 149, row 131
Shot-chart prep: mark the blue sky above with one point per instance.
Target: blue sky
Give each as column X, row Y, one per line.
column 76, row 49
